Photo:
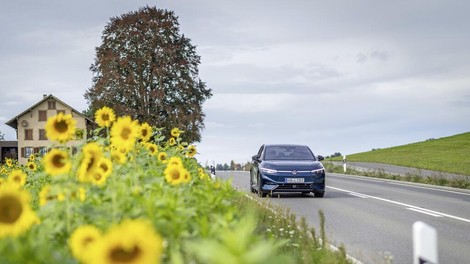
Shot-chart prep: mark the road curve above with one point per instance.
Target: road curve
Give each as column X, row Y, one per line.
column 373, row 218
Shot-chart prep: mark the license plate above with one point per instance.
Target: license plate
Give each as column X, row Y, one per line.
column 294, row 180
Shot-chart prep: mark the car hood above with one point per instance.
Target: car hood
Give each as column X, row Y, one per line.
column 292, row 165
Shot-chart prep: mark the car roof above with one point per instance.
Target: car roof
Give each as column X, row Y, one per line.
column 284, row 145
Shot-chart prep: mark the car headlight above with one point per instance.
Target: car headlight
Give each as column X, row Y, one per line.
column 270, row 171
column 318, row 171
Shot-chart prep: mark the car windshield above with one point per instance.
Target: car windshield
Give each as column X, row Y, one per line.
column 288, row 153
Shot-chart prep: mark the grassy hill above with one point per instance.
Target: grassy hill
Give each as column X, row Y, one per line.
column 447, row 154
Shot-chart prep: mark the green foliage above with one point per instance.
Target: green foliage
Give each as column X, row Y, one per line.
column 448, row 154
column 146, row 69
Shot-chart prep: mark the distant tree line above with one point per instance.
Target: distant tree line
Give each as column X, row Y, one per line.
column 336, row 154
column 233, row 166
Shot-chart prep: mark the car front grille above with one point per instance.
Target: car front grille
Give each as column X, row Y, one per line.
column 297, row 187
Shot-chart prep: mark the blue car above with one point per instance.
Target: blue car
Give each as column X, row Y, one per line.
column 287, row 168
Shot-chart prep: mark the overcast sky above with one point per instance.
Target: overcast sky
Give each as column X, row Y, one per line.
column 339, row 76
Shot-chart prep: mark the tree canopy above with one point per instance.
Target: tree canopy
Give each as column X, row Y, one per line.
column 145, row 69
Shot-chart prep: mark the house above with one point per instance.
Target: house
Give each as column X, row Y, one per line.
column 30, row 127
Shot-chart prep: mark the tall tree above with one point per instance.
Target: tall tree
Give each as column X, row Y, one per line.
column 144, row 68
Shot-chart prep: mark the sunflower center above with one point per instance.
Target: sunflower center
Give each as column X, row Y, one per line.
column 105, row 117
column 144, row 132
column 17, row 178
column 125, row 134
column 175, row 175
column 61, row 126
column 97, row 176
column 10, row 209
column 104, row 166
column 87, row 240
column 57, row 161
column 120, row 255
column 91, row 164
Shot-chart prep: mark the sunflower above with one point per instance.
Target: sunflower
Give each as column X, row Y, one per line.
column 145, row 132
column 172, row 141
column 45, row 196
column 105, row 165
column 16, row 215
column 2, row 181
column 175, row 132
column 175, row 161
column 9, row 162
column 81, row 194
column 191, row 151
column 162, row 157
column 118, row 156
column 91, row 156
column 57, row 162
column 186, row 176
column 133, row 241
column 124, row 133
column 82, row 240
column 32, row 157
column 98, row 177
column 17, row 177
column 61, row 128
column 175, row 174
column 202, row 174
column 31, row 166
column 153, row 148
column 105, row 116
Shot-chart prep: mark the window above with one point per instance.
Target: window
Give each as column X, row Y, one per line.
column 42, row 151
column 51, row 105
column 42, row 134
column 61, row 111
column 26, row 152
column 42, row 115
column 28, row 134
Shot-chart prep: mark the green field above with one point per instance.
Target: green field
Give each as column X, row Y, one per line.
column 447, row 154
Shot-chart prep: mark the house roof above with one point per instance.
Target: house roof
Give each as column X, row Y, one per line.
column 14, row 121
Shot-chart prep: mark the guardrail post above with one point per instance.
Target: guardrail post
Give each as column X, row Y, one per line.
column 424, row 244
column 344, row 163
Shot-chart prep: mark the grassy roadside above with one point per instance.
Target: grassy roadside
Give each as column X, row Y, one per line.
column 447, row 154
column 462, row 182
column 301, row 242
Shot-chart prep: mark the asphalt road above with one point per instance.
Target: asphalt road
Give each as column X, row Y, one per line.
column 373, row 218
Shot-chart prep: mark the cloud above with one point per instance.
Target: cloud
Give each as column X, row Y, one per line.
column 338, row 76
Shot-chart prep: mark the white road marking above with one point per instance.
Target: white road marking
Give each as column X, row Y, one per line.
column 403, row 204
column 424, row 212
column 357, row 195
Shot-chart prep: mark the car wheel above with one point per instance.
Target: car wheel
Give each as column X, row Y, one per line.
column 319, row 194
column 260, row 191
column 253, row 190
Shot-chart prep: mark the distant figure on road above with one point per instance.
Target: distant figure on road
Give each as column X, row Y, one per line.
column 212, row 172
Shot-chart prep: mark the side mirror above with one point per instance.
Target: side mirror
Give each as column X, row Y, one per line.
column 320, row 157
column 255, row 158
